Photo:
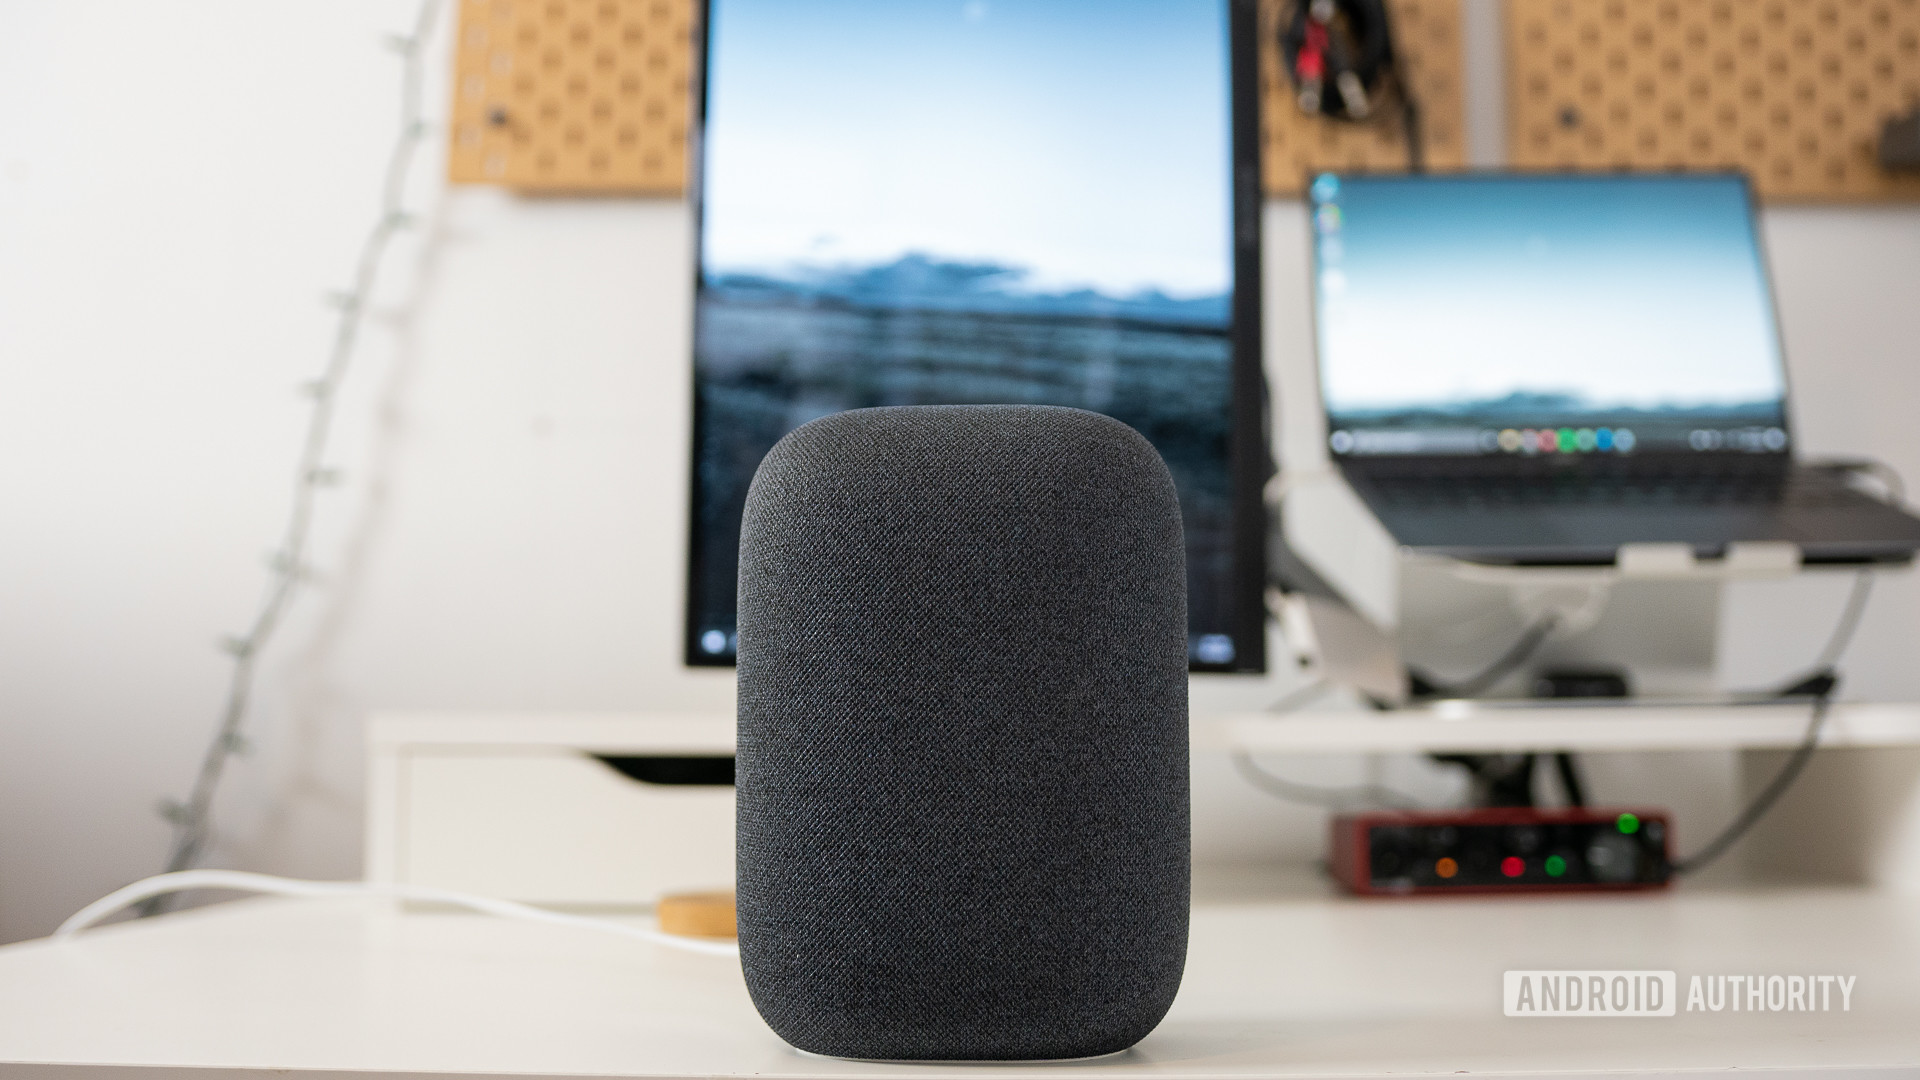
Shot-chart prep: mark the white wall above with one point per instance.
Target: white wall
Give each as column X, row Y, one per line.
column 179, row 185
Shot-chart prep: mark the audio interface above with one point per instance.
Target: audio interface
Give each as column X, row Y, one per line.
column 1506, row 850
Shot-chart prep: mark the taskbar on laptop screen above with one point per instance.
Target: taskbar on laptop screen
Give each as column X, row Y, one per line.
column 1546, row 439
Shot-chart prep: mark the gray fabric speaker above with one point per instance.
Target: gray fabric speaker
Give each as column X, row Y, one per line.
column 962, row 764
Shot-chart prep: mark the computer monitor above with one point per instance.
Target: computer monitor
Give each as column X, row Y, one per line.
column 1555, row 317
column 1048, row 202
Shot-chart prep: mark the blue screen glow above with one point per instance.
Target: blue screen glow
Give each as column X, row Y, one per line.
column 1474, row 314
column 916, row 202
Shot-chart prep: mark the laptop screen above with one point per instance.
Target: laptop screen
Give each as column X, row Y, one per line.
column 1531, row 316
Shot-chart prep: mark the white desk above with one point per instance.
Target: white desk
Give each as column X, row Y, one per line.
column 1278, row 984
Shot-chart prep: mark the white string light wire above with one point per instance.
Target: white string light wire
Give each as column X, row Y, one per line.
column 164, row 884
column 191, row 818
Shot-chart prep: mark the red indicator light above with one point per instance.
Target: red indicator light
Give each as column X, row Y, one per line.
column 1513, row 866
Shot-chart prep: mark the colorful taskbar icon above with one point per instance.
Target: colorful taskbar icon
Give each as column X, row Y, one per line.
column 1560, row 440
column 1566, row 440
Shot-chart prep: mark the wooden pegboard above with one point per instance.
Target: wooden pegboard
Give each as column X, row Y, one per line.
column 572, row 95
column 1793, row 91
column 594, row 96
column 1295, row 144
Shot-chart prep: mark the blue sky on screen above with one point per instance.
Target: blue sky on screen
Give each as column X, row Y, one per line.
column 1085, row 140
column 1629, row 291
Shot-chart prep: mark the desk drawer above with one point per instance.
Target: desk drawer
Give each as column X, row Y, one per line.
column 553, row 825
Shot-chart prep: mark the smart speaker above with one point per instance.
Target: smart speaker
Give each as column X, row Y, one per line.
column 962, row 764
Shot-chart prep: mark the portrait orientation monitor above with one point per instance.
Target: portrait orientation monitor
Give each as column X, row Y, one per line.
column 1551, row 317
column 949, row 202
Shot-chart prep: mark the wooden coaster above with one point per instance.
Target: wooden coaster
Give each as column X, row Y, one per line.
column 701, row 914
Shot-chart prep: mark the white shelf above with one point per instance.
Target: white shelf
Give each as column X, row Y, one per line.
column 1463, row 726
column 1470, row 726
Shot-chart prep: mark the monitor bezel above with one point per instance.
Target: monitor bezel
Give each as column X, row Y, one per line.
column 1250, row 459
column 1768, row 461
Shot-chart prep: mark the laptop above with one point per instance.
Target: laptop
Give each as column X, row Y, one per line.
column 1539, row 369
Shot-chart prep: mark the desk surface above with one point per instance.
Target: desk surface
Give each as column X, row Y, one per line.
column 1278, row 985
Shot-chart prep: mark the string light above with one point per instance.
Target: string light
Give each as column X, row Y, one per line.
column 191, row 818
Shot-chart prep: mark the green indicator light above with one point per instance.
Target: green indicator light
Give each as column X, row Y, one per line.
column 1628, row 824
column 1565, row 439
column 1556, row 866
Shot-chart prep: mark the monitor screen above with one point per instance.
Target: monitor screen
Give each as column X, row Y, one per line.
column 1544, row 315
column 916, row 202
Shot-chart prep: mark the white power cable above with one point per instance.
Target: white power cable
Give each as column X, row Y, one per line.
column 240, row 881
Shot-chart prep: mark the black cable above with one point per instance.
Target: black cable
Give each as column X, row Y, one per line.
column 1769, row 795
column 1522, row 650
column 1331, row 798
column 1570, row 781
column 1843, row 632
column 1412, row 119
column 1355, row 42
column 1353, row 49
column 1820, row 686
column 1412, row 124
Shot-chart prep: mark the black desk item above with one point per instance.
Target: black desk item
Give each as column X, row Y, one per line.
column 962, row 764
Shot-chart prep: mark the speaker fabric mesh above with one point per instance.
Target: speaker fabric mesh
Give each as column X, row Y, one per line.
column 962, row 762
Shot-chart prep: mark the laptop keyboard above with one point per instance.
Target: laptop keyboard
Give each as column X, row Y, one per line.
column 1800, row 490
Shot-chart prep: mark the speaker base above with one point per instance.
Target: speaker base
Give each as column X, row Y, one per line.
column 964, row 1061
